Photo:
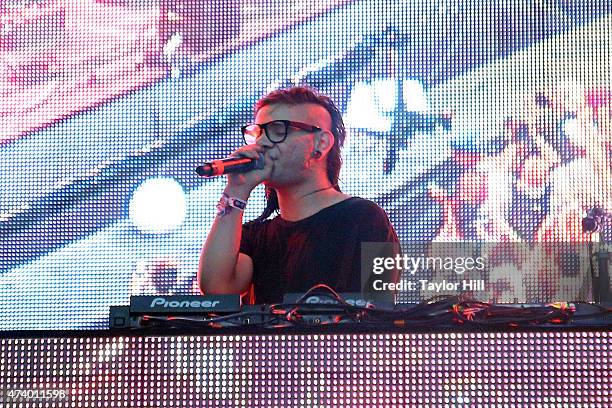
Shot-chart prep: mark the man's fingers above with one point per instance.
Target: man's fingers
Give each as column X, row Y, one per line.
column 252, row 152
column 245, row 153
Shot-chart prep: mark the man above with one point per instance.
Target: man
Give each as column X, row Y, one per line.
column 317, row 236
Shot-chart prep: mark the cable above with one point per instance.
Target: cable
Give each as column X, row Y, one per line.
column 436, row 312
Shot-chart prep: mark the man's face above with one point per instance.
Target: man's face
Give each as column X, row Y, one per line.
column 292, row 157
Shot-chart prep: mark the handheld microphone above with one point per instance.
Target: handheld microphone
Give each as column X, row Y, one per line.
column 595, row 219
column 230, row 165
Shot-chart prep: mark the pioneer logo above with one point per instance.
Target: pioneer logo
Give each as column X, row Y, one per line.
column 352, row 298
column 185, row 304
column 316, row 300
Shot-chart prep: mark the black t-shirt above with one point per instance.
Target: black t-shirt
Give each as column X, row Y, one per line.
column 323, row 248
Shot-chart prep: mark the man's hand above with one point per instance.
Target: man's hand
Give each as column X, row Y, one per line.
column 240, row 185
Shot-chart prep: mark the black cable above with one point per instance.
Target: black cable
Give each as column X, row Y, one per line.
column 437, row 312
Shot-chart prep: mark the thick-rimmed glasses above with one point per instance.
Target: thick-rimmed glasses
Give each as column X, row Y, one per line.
column 276, row 130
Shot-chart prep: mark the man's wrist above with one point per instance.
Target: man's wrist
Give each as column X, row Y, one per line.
column 238, row 192
column 228, row 203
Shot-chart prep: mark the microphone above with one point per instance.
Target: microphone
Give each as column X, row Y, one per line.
column 595, row 219
column 230, row 165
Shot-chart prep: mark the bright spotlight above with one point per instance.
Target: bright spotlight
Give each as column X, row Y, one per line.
column 158, row 205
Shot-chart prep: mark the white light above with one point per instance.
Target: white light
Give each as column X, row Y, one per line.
column 385, row 95
column 173, row 44
column 158, row 205
column 363, row 111
column 372, row 104
column 415, row 97
column 571, row 127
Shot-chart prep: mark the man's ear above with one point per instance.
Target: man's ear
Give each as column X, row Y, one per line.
column 324, row 141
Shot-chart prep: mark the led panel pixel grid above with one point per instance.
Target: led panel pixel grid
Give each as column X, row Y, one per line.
column 547, row 369
column 467, row 120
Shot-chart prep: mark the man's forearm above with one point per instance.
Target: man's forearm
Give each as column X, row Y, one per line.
column 219, row 255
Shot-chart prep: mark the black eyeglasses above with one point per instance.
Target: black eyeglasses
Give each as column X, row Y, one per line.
column 276, row 131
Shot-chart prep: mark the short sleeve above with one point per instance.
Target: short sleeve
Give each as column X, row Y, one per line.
column 246, row 242
column 376, row 228
column 375, row 225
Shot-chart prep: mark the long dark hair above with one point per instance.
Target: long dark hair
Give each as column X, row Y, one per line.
column 297, row 96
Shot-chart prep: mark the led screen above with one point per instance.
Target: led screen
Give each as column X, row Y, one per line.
column 547, row 369
column 480, row 121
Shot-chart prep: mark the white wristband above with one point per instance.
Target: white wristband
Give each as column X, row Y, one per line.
column 226, row 203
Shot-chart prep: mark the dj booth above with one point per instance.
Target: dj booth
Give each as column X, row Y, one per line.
column 474, row 356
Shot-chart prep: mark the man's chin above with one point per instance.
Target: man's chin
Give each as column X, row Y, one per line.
column 276, row 183
column 271, row 184
column 281, row 180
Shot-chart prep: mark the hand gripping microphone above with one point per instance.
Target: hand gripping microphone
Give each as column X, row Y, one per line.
column 595, row 220
column 230, row 165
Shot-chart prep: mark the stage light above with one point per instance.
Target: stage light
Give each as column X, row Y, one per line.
column 158, row 205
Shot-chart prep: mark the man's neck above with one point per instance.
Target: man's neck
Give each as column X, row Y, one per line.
column 302, row 201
